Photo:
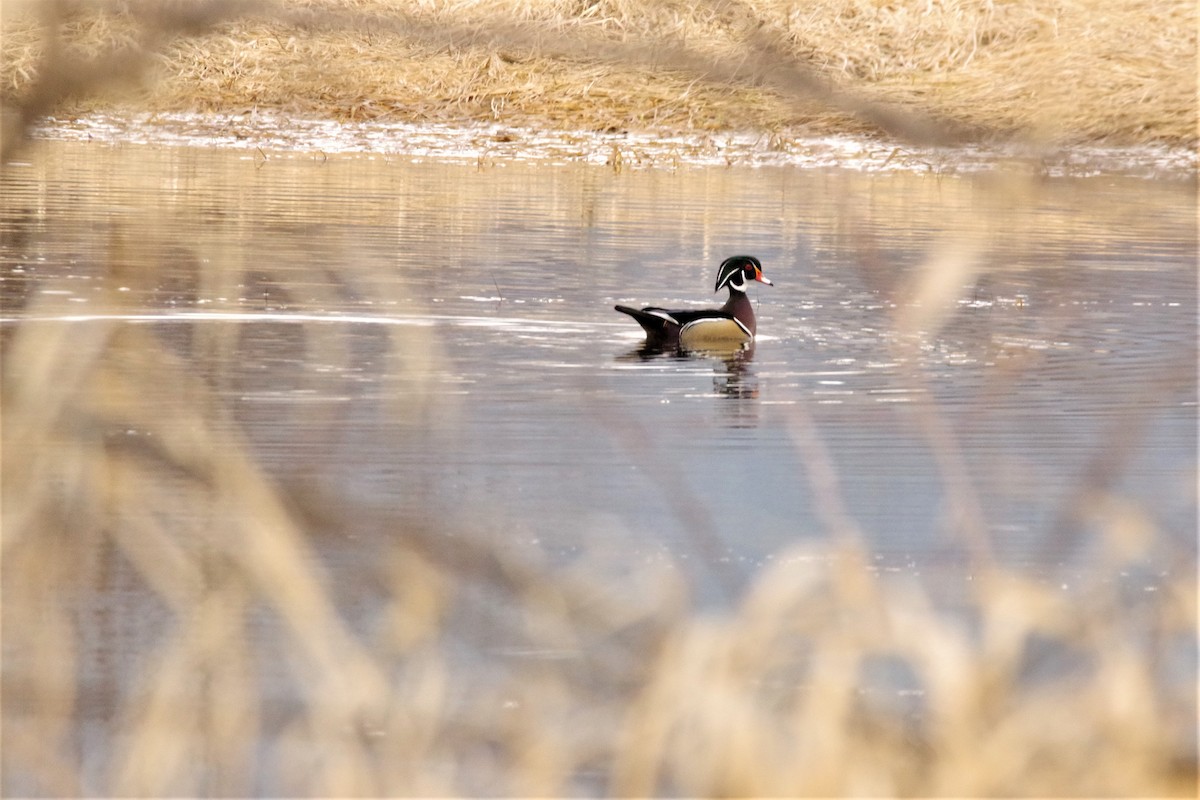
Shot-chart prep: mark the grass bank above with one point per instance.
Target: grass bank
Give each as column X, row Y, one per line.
column 1068, row 72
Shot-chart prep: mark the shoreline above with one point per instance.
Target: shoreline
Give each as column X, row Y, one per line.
column 486, row 145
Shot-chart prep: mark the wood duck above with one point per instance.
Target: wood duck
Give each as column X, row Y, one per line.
column 731, row 324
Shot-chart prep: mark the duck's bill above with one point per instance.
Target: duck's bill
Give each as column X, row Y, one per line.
column 763, row 279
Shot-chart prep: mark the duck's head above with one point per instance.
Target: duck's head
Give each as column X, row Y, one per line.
column 737, row 272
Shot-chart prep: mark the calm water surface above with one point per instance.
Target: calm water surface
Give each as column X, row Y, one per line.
column 472, row 360
column 439, row 340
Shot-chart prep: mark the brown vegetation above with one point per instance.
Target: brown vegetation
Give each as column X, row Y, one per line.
column 762, row 698
column 1121, row 71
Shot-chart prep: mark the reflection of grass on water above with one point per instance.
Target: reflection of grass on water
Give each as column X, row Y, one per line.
column 1024, row 690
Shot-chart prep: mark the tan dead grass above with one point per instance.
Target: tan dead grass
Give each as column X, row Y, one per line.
column 1119, row 71
column 761, row 699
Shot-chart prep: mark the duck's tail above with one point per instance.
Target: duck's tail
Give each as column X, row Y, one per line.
column 655, row 321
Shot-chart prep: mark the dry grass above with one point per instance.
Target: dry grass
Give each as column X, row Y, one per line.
column 1074, row 71
column 762, row 698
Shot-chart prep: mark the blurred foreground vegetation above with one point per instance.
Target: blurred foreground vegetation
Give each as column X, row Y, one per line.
column 251, row 680
column 760, row 698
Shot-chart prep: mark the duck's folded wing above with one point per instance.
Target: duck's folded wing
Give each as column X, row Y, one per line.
column 653, row 320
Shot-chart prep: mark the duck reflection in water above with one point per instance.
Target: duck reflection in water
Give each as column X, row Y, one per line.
column 737, row 380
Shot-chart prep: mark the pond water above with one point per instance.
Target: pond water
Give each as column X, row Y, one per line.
column 440, row 336
column 438, row 340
